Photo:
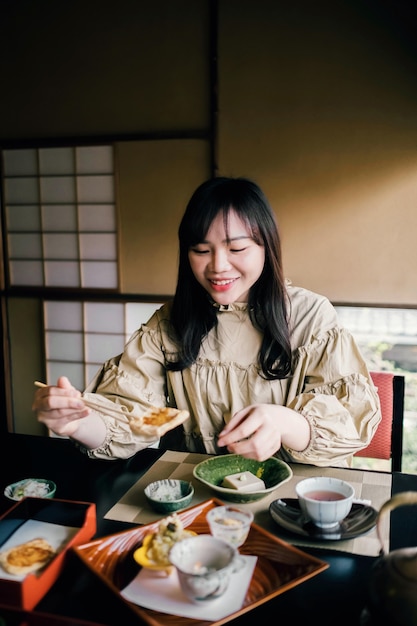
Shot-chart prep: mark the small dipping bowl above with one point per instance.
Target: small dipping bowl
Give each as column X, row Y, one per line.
column 169, row 495
column 204, row 566
column 326, row 501
column 230, row 523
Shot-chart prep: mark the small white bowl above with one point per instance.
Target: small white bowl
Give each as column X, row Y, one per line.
column 326, row 501
column 30, row 487
column 204, row 566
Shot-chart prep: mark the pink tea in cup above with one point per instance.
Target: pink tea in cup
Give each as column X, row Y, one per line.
column 323, row 494
column 325, row 500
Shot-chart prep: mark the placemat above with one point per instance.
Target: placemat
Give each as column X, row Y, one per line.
column 373, row 486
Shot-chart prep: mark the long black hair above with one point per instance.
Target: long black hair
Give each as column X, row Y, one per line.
column 193, row 314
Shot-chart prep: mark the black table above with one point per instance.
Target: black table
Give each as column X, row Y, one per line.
column 334, row 597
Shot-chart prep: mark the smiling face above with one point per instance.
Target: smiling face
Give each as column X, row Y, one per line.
column 228, row 262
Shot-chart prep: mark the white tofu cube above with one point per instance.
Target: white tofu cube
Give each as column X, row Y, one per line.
column 243, row 481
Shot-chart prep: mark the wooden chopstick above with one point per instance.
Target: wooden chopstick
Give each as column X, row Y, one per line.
column 113, row 412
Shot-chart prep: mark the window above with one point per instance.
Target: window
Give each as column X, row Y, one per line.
column 80, row 336
column 387, row 338
column 60, row 217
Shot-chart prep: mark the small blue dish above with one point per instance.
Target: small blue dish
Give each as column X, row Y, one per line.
column 30, row 487
column 169, row 495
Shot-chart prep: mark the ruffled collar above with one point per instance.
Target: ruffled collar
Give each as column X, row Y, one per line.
column 234, row 306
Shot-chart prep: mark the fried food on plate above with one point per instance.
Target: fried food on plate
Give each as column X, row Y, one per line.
column 27, row 557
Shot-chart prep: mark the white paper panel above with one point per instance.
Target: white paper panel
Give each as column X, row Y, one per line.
column 57, row 189
column 102, row 317
column 63, row 316
column 62, row 274
column 60, row 246
column 94, row 159
column 20, row 162
column 23, row 217
column 138, row 313
column 69, row 345
column 95, row 189
column 98, row 246
column 25, row 246
column 99, row 348
column 59, row 217
column 21, row 190
column 74, row 372
column 97, row 217
column 26, row 273
column 99, row 275
column 91, row 370
column 56, row 161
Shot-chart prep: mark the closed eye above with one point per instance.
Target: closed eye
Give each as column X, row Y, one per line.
column 197, row 251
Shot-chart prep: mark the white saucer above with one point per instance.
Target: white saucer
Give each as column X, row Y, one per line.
column 286, row 512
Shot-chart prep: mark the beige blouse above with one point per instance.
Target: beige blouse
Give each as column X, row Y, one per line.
column 330, row 384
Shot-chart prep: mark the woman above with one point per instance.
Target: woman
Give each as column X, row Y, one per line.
column 262, row 367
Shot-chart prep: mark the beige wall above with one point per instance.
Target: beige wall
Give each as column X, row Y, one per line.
column 154, row 183
column 320, row 109
column 26, row 348
column 317, row 102
column 83, row 68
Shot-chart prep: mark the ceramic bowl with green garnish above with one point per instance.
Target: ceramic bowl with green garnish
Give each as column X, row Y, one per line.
column 30, row 487
column 246, row 480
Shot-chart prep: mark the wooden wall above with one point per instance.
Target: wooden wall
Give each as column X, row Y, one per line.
column 320, row 107
column 317, row 103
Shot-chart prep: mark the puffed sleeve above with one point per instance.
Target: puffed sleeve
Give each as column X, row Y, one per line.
column 332, row 388
column 134, row 381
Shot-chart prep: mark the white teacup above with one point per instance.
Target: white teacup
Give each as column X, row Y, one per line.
column 204, row 566
column 326, row 501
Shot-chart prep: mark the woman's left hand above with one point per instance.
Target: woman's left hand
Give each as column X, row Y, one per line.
column 259, row 430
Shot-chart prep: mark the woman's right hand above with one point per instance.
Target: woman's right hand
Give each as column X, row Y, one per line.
column 60, row 407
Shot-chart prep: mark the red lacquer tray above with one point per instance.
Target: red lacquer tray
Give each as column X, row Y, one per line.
column 279, row 567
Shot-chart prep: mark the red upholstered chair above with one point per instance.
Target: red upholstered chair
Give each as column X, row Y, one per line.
column 387, row 443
